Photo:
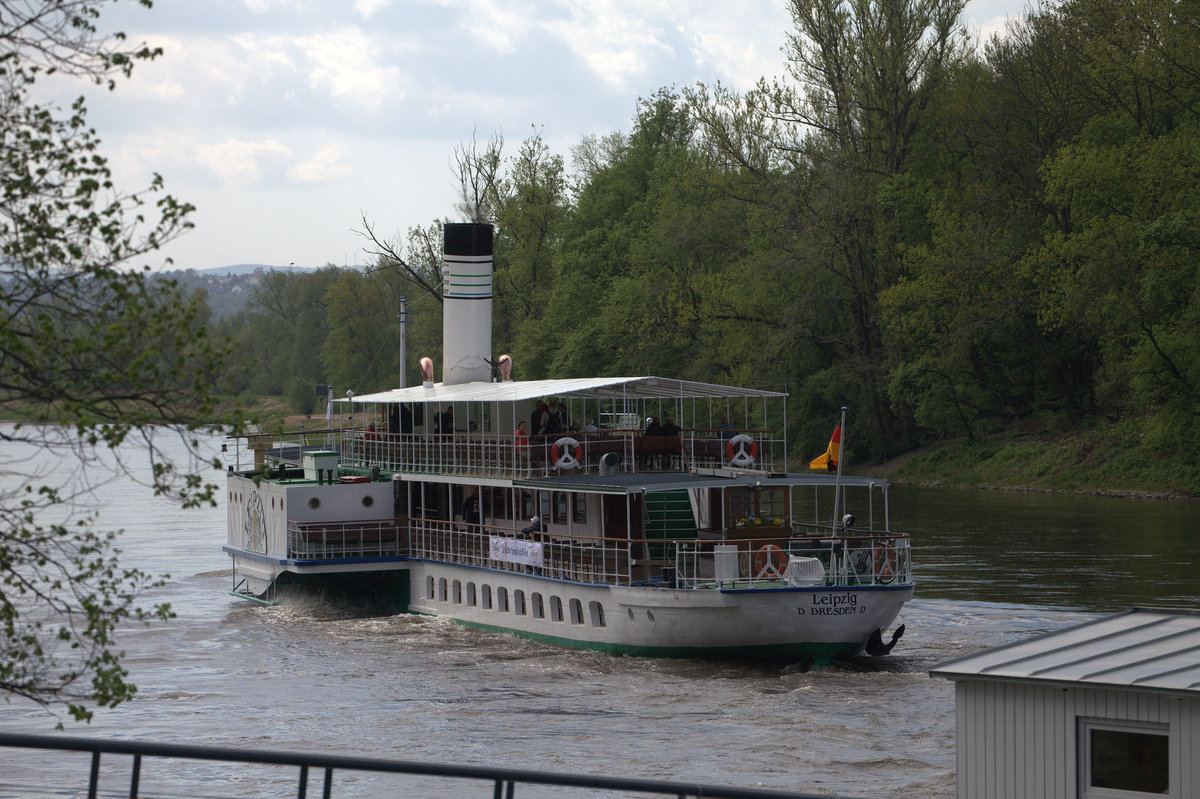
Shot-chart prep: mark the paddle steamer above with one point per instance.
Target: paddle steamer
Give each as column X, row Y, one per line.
column 600, row 535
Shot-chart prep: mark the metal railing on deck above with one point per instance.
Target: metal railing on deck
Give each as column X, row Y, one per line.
column 493, row 455
column 320, row 541
column 500, row 782
column 882, row 559
column 585, row 560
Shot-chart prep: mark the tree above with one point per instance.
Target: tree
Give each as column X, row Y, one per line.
column 93, row 355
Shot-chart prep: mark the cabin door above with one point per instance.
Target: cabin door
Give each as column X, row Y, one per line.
column 623, row 516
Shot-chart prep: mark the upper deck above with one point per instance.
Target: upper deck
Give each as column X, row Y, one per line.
column 608, row 425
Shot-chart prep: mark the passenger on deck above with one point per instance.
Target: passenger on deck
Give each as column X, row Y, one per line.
column 535, row 529
column 470, row 509
column 445, row 421
column 590, row 427
column 538, row 419
column 653, row 428
column 369, row 435
column 670, row 428
column 728, row 431
column 521, row 437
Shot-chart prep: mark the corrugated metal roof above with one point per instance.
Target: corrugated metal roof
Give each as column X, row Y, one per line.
column 1143, row 648
column 593, row 387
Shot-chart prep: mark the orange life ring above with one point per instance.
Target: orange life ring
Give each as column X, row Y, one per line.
column 567, row 453
column 741, row 450
column 886, row 565
column 769, row 561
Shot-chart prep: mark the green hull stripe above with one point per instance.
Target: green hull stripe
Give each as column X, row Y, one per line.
column 815, row 651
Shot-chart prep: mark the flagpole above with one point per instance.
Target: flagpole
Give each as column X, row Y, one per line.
column 837, row 483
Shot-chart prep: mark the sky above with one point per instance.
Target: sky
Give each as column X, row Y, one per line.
column 285, row 122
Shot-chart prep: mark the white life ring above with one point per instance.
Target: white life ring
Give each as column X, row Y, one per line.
column 742, row 450
column 567, row 453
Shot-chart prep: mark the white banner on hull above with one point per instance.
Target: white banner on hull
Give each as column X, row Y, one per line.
column 512, row 550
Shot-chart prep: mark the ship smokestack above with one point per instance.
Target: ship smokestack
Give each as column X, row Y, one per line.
column 467, row 310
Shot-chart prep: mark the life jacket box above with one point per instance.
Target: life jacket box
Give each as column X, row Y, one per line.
column 319, row 460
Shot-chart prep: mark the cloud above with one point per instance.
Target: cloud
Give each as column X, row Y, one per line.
column 365, row 8
column 617, row 41
column 348, row 65
column 242, row 163
column 326, row 166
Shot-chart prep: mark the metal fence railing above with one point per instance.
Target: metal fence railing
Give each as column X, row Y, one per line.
column 318, row 770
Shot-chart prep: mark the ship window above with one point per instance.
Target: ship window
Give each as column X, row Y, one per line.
column 1124, row 759
column 368, row 501
column 596, row 610
column 519, row 603
column 556, row 613
column 442, row 592
column 471, row 595
column 539, row 607
column 429, row 588
column 502, row 599
column 527, row 504
column 486, row 593
column 560, row 507
column 576, row 612
column 314, row 503
column 457, row 593
column 544, row 504
column 579, row 503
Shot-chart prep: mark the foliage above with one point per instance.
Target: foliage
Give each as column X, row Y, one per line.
column 96, row 355
column 952, row 241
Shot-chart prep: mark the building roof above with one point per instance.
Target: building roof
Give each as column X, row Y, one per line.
column 591, row 387
column 1146, row 649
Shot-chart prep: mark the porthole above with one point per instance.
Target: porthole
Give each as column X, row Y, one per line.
column 630, row 612
column 314, row 503
column 650, row 616
column 368, row 501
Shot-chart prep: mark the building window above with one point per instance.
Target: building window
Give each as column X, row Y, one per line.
column 1125, row 759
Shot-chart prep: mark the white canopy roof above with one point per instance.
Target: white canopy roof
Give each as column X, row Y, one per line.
column 590, row 387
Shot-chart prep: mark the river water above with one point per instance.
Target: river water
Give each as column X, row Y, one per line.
column 315, row 675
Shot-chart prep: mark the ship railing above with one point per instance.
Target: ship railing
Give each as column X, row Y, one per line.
column 858, row 560
column 575, row 558
column 359, row 539
column 495, row 455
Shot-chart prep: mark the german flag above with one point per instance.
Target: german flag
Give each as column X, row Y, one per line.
column 829, row 460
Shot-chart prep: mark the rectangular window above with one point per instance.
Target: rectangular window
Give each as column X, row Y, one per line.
column 560, row 507
column 579, row 503
column 1124, row 759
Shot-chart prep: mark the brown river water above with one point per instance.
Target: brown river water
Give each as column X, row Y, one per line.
column 319, row 675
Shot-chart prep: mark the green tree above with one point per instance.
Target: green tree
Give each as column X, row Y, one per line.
column 93, row 353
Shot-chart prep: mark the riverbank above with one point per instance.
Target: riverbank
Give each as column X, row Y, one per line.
column 1107, row 459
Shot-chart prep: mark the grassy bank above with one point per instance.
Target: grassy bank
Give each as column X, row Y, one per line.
column 1114, row 459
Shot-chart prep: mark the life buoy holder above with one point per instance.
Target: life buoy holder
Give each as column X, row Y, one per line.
column 769, row 562
column 741, row 450
column 886, row 563
column 567, row 453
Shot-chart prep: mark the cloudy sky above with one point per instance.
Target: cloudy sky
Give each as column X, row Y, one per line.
column 285, row 121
